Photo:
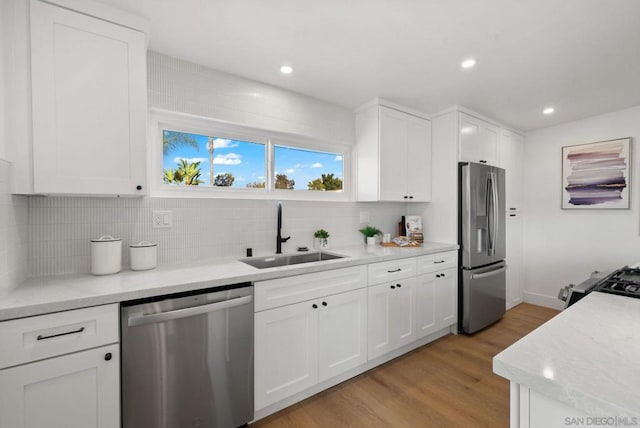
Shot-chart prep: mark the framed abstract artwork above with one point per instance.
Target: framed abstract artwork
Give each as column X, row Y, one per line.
column 596, row 175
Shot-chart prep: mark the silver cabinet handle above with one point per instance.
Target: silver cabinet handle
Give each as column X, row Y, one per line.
column 488, row 274
column 188, row 312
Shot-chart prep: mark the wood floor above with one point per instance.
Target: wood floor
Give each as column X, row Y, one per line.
column 447, row 383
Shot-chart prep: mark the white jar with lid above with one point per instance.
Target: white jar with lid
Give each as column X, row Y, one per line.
column 106, row 255
column 143, row 255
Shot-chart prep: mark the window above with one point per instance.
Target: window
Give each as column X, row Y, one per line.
column 300, row 169
column 205, row 158
column 201, row 160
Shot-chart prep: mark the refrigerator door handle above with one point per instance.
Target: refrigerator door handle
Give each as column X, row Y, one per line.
column 487, row 274
column 495, row 203
column 489, row 206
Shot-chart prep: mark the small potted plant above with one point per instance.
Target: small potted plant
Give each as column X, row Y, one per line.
column 321, row 241
column 370, row 233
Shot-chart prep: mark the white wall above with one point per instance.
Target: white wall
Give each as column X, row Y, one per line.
column 3, row 98
column 565, row 246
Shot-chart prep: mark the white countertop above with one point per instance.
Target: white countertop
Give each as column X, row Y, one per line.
column 587, row 357
column 42, row 295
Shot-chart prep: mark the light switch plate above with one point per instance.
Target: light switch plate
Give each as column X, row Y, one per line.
column 162, row 219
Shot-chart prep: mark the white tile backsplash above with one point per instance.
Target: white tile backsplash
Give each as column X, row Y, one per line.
column 61, row 227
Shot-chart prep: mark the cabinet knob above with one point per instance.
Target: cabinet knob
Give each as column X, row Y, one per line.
column 393, row 287
column 410, row 197
column 399, row 285
column 437, row 275
column 405, row 196
column 138, row 187
column 108, row 356
column 314, row 306
column 483, row 161
column 324, row 303
column 512, row 209
column 442, row 274
column 512, row 215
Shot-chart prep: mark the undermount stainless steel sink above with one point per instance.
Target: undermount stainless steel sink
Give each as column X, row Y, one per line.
column 289, row 259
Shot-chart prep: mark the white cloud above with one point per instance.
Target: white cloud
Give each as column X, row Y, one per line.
column 290, row 171
column 241, row 178
column 223, row 143
column 228, row 159
column 190, row 160
column 260, row 178
column 338, row 158
column 317, row 165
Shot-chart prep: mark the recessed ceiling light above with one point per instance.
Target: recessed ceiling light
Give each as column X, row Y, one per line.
column 548, row 110
column 468, row 63
column 286, row 69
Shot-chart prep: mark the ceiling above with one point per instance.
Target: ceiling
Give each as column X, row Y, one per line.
column 580, row 56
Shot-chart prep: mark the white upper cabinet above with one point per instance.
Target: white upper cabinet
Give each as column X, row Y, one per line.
column 89, row 104
column 393, row 155
column 512, row 160
column 479, row 140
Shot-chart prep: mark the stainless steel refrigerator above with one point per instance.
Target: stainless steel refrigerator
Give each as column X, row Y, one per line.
column 481, row 235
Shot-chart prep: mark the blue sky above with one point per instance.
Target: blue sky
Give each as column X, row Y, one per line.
column 246, row 161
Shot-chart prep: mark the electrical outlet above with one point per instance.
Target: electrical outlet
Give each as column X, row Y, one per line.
column 162, row 219
column 364, row 217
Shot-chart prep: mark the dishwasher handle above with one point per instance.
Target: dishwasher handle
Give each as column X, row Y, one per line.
column 187, row 312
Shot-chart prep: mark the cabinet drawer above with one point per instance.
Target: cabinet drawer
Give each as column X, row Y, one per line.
column 285, row 291
column 437, row 262
column 35, row 338
column 392, row 270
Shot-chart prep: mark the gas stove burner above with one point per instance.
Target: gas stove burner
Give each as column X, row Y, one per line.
column 624, row 282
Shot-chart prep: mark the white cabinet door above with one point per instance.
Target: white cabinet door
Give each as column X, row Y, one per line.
column 79, row 390
column 89, row 104
column 342, row 336
column 479, row 140
column 512, row 160
column 391, row 316
column 286, row 352
column 426, row 305
column 418, row 159
column 514, row 234
column 446, row 298
column 437, row 301
column 393, row 155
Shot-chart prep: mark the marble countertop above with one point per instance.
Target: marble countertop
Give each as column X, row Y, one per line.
column 41, row 295
column 587, row 357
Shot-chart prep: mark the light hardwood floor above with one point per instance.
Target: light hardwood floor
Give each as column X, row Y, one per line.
column 447, row 383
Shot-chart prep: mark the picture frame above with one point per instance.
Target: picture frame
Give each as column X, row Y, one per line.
column 597, row 175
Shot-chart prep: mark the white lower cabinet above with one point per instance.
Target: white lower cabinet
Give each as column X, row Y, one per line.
column 299, row 345
column 436, row 301
column 80, row 390
column 391, row 316
column 530, row 409
column 61, row 370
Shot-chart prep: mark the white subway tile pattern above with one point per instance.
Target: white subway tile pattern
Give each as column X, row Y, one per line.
column 13, row 233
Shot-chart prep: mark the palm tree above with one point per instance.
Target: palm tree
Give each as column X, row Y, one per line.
column 171, row 140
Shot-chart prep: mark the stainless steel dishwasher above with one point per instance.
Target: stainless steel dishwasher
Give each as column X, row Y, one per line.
column 187, row 359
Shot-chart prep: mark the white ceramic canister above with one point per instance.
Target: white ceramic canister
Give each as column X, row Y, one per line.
column 143, row 255
column 106, row 255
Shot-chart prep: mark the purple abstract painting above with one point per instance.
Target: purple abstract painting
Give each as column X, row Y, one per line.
column 596, row 175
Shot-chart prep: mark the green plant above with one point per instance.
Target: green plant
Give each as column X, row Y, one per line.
column 370, row 231
column 322, row 234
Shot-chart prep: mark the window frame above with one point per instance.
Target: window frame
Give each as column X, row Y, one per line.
column 167, row 120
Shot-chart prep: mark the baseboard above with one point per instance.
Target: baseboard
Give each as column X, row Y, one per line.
column 543, row 300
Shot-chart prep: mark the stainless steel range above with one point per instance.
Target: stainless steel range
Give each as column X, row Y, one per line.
column 623, row 282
